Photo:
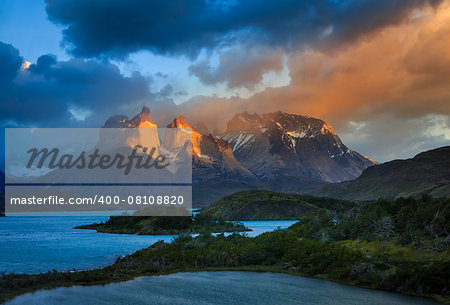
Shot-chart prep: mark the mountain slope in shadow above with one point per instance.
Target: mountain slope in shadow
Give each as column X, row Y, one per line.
column 426, row 173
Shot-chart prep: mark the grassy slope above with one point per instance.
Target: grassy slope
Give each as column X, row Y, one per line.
column 426, row 173
column 207, row 192
column 267, row 205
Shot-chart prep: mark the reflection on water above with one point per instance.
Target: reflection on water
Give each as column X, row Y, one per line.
column 219, row 288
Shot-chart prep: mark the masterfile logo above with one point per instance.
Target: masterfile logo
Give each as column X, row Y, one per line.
column 139, row 157
column 98, row 169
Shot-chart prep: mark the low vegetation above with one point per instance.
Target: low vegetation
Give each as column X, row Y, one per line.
column 267, row 205
column 164, row 225
column 426, row 174
column 397, row 245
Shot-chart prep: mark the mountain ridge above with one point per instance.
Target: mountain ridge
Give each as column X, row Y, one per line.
column 288, row 144
column 426, row 173
column 262, row 147
column 289, row 153
column 212, row 157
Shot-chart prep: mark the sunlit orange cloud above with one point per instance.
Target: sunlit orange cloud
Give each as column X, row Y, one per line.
column 402, row 70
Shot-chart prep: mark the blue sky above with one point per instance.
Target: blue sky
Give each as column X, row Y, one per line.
column 24, row 24
column 376, row 70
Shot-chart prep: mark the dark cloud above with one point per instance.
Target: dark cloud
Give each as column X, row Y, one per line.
column 166, row 91
column 43, row 64
column 162, row 75
column 387, row 95
column 116, row 28
column 240, row 66
column 10, row 61
column 63, row 93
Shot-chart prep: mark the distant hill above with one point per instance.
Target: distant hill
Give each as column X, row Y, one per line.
column 203, row 196
column 426, row 173
column 267, row 205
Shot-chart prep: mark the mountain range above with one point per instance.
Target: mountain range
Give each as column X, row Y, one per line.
column 275, row 151
column 260, row 147
column 212, row 157
column 295, row 154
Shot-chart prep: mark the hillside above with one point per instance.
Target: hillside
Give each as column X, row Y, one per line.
column 426, row 173
column 267, row 205
column 203, row 196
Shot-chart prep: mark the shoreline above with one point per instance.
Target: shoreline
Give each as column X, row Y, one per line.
column 160, row 225
column 363, row 259
column 163, row 233
column 258, row 269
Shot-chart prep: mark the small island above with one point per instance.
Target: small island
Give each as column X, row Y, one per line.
column 165, row 225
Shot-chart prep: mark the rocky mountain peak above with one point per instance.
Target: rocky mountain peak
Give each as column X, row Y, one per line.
column 244, row 121
column 221, row 143
column 212, row 157
column 282, row 143
column 327, row 129
column 202, row 145
column 262, row 145
column 180, row 122
column 212, row 137
column 298, row 125
column 293, row 125
column 142, row 120
column 145, row 110
column 116, row 121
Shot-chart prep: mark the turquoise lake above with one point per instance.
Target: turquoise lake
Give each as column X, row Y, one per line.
column 34, row 244
column 39, row 244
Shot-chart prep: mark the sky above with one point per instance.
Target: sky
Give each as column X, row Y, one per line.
column 377, row 70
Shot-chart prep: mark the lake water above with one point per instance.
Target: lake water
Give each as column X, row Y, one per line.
column 39, row 244
column 260, row 227
column 218, row 288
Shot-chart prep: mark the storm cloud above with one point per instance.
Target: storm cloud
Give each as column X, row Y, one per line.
column 10, row 61
column 393, row 86
column 240, row 66
column 60, row 93
column 367, row 67
column 178, row 27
